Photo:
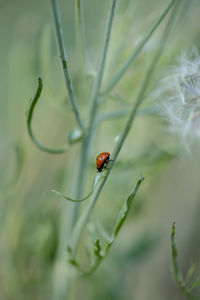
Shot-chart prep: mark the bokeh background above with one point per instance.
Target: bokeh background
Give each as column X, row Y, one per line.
column 31, row 217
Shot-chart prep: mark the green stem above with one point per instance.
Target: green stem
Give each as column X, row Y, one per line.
column 123, row 113
column 137, row 51
column 80, row 34
column 101, row 66
column 69, row 218
column 76, row 235
column 93, row 111
column 83, row 161
column 63, row 57
column 177, row 274
column 97, row 83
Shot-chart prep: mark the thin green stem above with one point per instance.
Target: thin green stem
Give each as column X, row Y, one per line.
column 101, row 66
column 123, row 113
column 64, row 60
column 76, row 235
column 69, row 218
column 80, row 34
column 137, row 51
column 86, row 141
column 97, row 82
column 177, row 274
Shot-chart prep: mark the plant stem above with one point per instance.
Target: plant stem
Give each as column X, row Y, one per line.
column 63, row 57
column 97, row 84
column 76, row 236
column 83, row 161
column 177, row 274
column 68, row 219
column 137, row 51
column 101, row 66
column 86, row 140
column 80, row 34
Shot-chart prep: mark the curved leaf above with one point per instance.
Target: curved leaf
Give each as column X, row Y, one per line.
column 94, row 185
column 29, row 120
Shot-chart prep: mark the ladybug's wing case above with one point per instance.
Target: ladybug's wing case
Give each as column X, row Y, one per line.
column 98, row 163
column 101, row 160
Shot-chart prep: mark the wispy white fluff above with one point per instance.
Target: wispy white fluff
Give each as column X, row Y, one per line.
column 179, row 95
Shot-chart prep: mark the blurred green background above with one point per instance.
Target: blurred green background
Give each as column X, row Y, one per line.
column 31, row 217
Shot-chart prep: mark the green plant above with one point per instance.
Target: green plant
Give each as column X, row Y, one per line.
column 85, row 133
column 185, row 285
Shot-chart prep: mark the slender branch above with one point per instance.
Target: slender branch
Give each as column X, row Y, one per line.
column 94, row 103
column 80, row 33
column 63, row 57
column 101, row 66
column 75, row 238
column 94, row 97
column 83, row 160
column 123, row 113
column 177, row 274
column 29, row 121
column 137, row 51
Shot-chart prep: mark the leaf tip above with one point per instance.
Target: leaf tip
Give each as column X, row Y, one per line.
column 141, row 178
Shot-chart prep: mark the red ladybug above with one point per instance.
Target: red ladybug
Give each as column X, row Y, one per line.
column 102, row 160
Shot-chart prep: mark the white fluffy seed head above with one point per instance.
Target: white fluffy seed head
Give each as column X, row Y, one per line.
column 179, row 95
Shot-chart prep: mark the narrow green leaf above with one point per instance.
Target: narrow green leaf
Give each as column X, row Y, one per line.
column 29, row 121
column 177, row 273
column 126, row 207
column 190, row 272
column 101, row 254
column 94, row 185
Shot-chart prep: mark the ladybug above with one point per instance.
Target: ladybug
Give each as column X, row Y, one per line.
column 102, row 160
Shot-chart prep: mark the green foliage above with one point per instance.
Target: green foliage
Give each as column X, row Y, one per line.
column 29, row 120
column 105, row 106
column 182, row 284
column 98, row 252
column 96, row 180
